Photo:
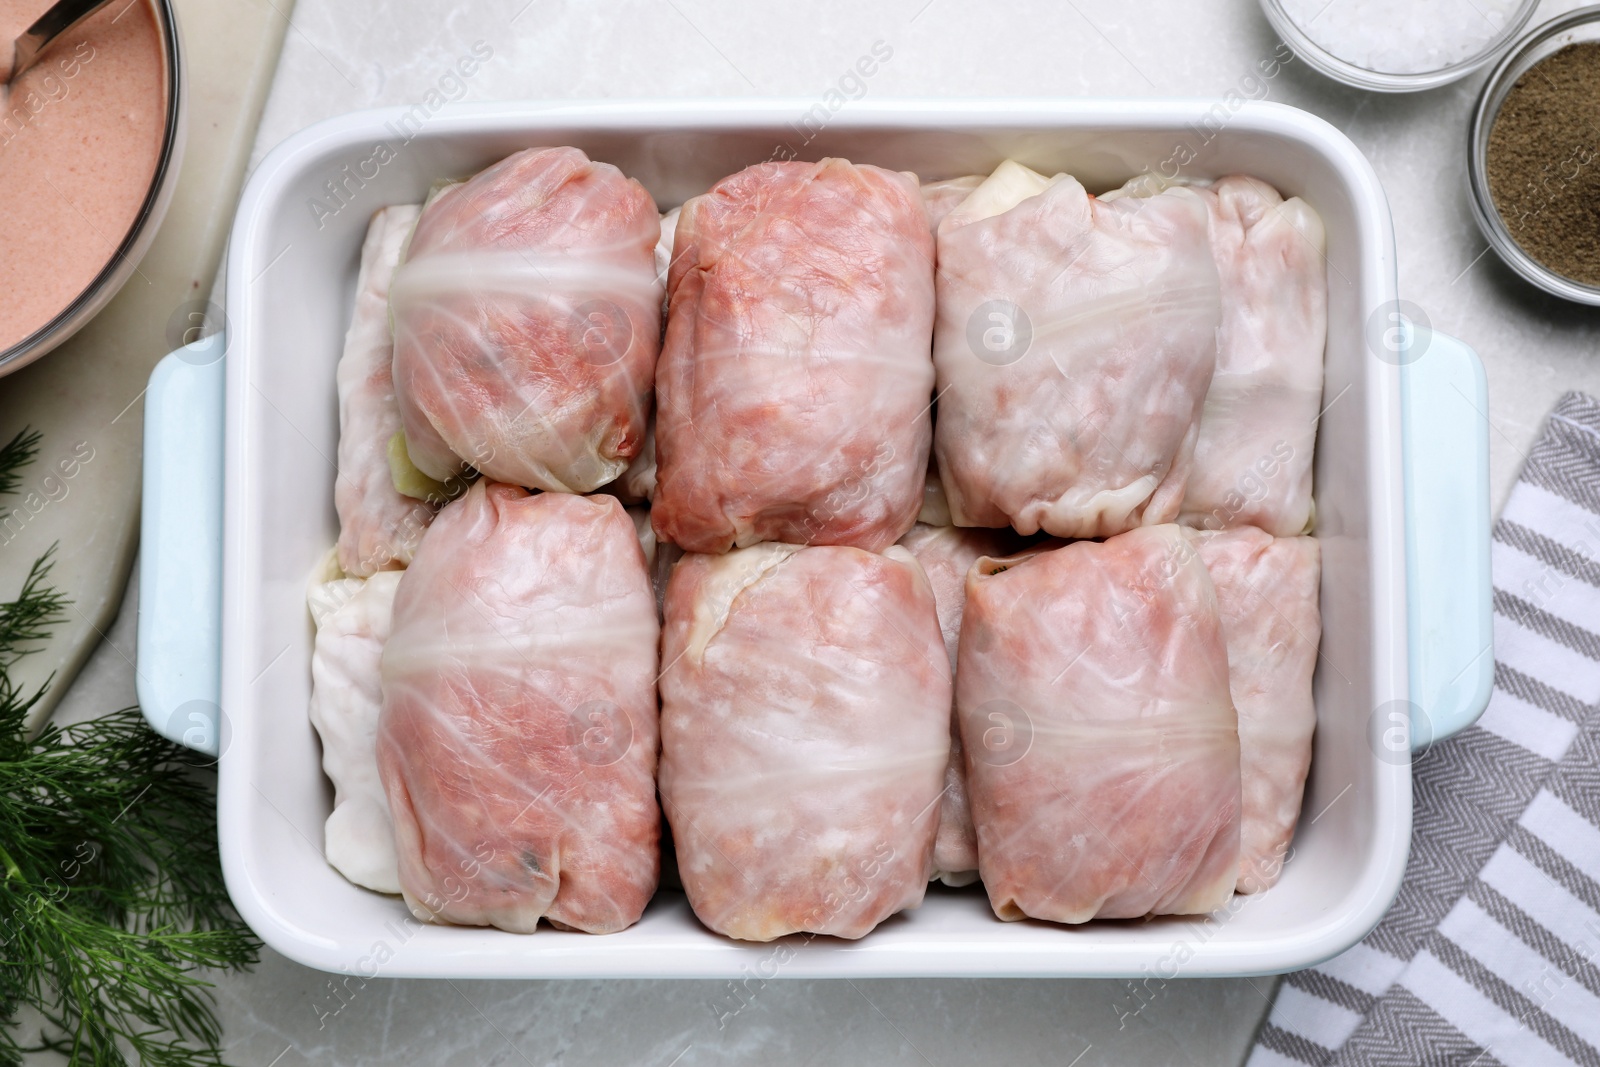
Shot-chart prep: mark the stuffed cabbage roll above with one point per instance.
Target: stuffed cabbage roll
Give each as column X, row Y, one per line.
column 1252, row 462
column 379, row 527
column 805, row 707
column 1074, row 344
column 637, row 485
column 664, row 249
column 517, row 742
column 527, row 321
column 640, row 517
column 352, row 619
column 795, row 380
column 1267, row 594
column 941, row 197
column 1102, row 746
column 946, row 554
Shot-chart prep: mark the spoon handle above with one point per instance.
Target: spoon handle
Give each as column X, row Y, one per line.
column 62, row 16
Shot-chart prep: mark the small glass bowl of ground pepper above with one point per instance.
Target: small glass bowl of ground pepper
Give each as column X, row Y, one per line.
column 1534, row 163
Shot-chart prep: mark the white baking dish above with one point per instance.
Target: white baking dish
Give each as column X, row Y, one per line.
column 291, row 270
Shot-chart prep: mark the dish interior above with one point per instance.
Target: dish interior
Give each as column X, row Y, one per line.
column 292, row 272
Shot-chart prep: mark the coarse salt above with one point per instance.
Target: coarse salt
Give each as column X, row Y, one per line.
column 1402, row 36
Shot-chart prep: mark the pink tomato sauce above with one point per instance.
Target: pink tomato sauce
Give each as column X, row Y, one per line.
column 80, row 138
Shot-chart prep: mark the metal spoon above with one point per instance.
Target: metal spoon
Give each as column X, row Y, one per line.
column 62, row 16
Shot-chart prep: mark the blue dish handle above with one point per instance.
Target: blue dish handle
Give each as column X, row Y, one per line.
column 180, row 548
column 1445, row 435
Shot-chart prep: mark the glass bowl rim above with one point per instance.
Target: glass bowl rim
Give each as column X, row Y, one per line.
column 1511, row 68
column 1342, row 70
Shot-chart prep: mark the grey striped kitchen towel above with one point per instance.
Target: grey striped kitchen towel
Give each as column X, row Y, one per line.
column 1491, row 952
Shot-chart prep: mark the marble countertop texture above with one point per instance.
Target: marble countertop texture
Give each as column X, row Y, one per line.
column 341, row 55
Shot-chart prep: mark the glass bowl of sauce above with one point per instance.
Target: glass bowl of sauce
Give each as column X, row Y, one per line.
column 1533, row 159
column 90, row 141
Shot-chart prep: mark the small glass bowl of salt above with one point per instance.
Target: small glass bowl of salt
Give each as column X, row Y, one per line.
column 1398, row 46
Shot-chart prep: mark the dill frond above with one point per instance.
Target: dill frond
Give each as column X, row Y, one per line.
column 111, row 891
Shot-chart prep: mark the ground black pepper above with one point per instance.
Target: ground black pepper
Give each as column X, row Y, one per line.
column 1544, row 162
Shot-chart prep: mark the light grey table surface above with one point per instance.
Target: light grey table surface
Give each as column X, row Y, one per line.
column 341, row 55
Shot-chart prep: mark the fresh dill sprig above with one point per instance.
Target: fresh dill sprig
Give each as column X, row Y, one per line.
column 111, row 892
column 29, row 618
column 14, row 455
